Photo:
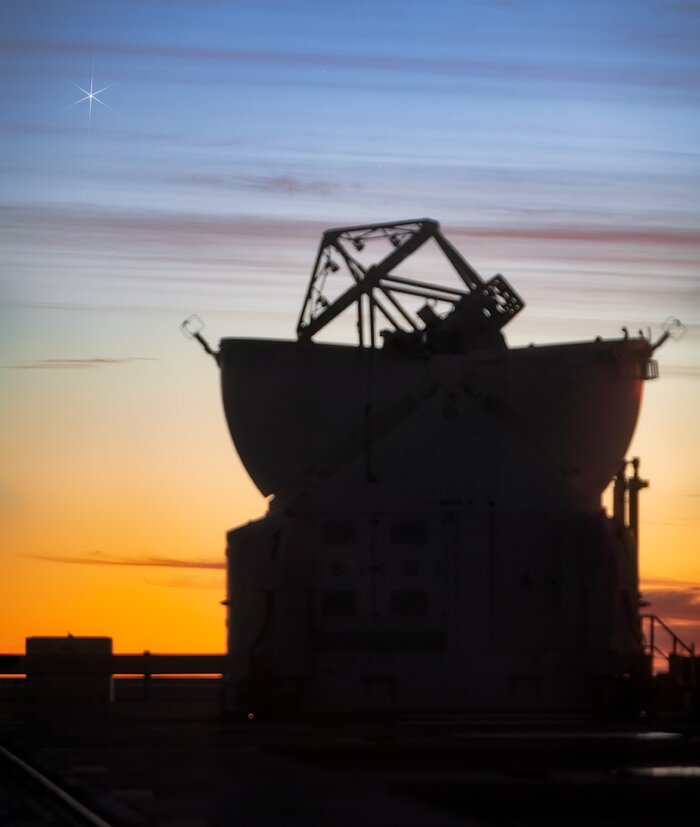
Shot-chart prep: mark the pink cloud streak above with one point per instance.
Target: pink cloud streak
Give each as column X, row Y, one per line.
column 99, row 559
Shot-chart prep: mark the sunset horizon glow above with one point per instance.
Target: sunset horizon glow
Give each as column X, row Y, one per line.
column 557, row 143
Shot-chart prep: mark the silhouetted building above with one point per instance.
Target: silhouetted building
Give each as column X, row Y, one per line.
column 435, row 540
column 69, row 670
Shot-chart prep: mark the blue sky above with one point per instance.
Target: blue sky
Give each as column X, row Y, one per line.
column 484, row 114
column 557, row 142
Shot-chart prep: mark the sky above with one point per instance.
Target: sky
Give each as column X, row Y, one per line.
column 557, row 142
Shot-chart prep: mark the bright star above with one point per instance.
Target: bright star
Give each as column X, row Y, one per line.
column 90, row 95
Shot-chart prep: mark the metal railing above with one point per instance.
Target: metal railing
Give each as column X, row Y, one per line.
column 678, row 649
column 144, row 664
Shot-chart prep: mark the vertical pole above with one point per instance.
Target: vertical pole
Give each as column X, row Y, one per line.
column 619, row 496
column 634, row 485
column 634, row 502
column 360, row 323
column 692, row 676
column 146, row 675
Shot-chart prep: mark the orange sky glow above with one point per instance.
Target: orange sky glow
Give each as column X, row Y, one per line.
column 562, row 151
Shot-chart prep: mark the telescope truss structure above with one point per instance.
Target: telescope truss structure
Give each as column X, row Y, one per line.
column 375, row 290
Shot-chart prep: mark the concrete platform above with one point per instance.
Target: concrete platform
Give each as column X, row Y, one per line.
column 185, row 764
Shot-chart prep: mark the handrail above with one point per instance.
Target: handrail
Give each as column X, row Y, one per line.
column 656, row 620
column 115, row 664
column 651, row 648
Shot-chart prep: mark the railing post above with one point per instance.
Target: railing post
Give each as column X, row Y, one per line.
column 692, row 675
column 146, row 675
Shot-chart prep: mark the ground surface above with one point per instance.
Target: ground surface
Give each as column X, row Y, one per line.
column 185, row 765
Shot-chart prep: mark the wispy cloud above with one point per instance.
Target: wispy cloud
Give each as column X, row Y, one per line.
column 679, row 608
column 670, row 583
column 675, row 604
column 497, row 68
column 173, row 225
column 54, row 131
column 584, row 233
column 158, row 225
column 58, row 364
column 186, row 582
column 689, row 7
column 204, row 180
column 683, row 371
column 195, row 249
column 288, row 184
column 98, row 558
column 293, row 185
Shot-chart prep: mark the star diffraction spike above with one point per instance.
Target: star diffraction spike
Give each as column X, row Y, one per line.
column 90, row 95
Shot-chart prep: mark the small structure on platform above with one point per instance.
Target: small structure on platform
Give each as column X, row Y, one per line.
column 69, row 670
